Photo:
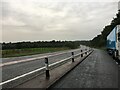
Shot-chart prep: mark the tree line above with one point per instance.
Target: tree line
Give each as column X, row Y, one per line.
column 100, row 40
column 41, row 44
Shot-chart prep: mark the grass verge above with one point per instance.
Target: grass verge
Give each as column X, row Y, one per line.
column 29, row 51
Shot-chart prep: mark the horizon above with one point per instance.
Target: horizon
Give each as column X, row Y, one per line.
column 44, row 41
column 46, row 21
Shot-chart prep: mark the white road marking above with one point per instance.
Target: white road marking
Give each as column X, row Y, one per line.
column 31, row 72
column 31, row 59
column 21, row 76
column 2, row 83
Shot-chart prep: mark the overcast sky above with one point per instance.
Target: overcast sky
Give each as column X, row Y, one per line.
column 32, row 20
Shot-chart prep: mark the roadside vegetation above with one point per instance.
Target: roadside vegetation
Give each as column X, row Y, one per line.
column 39, row 47
column 40, row 44
column 29, row 51
column 100, row 40
column 27, row 48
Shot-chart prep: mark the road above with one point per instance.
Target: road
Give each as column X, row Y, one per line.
column 99, row 70
column 19, row 68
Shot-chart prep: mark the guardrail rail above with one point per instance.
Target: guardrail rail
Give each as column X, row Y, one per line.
column 46, row 69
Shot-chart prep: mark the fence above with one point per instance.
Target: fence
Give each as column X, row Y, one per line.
column 46, row 69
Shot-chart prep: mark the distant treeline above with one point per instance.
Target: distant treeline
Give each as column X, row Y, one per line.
column 41, row 44
column 100, row 40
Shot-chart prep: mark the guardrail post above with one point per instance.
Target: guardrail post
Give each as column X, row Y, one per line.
column 47, row 69
column 72, row 56
column 81, row 53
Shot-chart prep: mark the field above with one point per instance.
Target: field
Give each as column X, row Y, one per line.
column 29, row 51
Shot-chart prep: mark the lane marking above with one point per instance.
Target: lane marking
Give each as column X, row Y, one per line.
column 31, row 59
column 32, row 72
column 21, row 76
column 42, row 68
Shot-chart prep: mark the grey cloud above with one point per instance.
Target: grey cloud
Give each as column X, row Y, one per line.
column 59, row 20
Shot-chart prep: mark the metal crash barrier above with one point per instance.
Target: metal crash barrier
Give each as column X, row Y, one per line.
column 46, row 69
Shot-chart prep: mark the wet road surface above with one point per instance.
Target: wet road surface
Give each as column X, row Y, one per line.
column 14, row 70
column 99, row 70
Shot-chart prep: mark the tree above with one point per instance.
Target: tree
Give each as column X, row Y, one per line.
column 103, row 36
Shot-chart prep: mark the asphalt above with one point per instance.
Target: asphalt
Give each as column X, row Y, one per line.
column 99, row 70
column 14, row 70
column 10, row 59
column 40, row 81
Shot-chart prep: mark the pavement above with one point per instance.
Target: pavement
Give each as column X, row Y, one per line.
column 14, row 70
column 55, row 74
column 11, row 59
column 99, row 70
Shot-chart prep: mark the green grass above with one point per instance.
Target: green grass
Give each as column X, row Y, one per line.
column 29, row 51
